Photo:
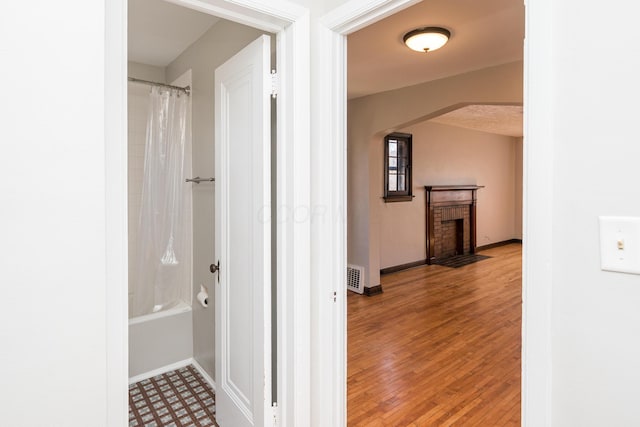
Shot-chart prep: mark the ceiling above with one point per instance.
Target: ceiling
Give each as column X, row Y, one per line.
column 483, row 33
column 160, row 31
column 498, row 119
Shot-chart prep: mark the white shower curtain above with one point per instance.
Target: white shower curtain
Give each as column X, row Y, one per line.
column 164, row 239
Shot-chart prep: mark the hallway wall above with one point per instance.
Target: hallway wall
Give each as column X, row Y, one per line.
column 594, row 168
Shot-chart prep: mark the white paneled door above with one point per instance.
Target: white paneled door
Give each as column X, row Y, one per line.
column 243, row 238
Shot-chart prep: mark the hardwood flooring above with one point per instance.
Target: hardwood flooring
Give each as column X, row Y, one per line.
column 440, row 347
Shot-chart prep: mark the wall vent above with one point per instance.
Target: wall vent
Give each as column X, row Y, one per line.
column 355, row 278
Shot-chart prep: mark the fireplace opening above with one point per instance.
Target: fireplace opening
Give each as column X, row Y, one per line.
column 452, row 238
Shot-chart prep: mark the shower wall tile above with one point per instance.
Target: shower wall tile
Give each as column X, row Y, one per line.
column 138, row 104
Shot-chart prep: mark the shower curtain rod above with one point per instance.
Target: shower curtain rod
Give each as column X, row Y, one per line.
column 186, row 89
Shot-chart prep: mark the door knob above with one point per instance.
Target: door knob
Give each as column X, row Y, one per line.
column 215, row 268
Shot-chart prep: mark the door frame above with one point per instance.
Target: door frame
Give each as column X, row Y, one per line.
column 290, row 23
column 329, row 324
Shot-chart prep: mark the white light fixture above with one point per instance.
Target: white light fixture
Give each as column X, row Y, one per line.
column 426, row 39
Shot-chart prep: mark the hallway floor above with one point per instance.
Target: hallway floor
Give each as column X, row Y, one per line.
column 180, row 398
column 440, row 347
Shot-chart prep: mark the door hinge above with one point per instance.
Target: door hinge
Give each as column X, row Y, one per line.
column 276, row 417
column 274, row 84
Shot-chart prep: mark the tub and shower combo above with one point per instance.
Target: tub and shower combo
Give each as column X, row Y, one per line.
column 160, row 229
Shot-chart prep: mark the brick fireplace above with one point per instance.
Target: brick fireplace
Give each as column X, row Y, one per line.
column 451, row 220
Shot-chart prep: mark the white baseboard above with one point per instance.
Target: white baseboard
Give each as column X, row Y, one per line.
column 162, row 370
column 173, row 367
column 204, row 374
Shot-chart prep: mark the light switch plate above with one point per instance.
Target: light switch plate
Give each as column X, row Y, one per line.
column 620, row 244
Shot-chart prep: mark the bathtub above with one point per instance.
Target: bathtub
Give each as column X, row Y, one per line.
column 160, row 341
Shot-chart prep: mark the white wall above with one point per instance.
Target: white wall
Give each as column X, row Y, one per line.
column 444, row 155
column 371, row 117
column 53, row 275
column 218, row 44
column 595, row 315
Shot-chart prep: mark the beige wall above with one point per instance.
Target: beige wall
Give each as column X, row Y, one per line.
column 146, row 72
column 518, row 187
column 449, row 155
column 371, row 117
column 217, row 45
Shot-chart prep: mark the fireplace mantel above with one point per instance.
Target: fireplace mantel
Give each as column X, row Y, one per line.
column 451, row 203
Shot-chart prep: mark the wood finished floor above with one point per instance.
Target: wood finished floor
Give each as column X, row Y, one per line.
column 440, row 347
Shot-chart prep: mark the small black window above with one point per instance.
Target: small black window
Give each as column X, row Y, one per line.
column 397, row 167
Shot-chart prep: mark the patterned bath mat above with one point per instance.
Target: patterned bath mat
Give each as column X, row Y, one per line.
column 460, row 260
column 177, row 398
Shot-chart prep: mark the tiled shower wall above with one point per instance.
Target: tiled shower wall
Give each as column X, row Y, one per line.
column 138, row 105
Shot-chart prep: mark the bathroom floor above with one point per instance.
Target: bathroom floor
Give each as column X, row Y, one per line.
column 177, row 398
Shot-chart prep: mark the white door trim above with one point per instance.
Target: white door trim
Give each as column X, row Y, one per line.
column 293, row 235
column 116, row 219
column 291, row 24
column 329, row 322
column 537, row 211
column 357, row 14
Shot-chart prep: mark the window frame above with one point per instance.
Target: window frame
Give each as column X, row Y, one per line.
column 407, row 194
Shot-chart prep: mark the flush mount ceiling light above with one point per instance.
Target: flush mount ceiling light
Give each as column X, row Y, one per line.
column 426, row 39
